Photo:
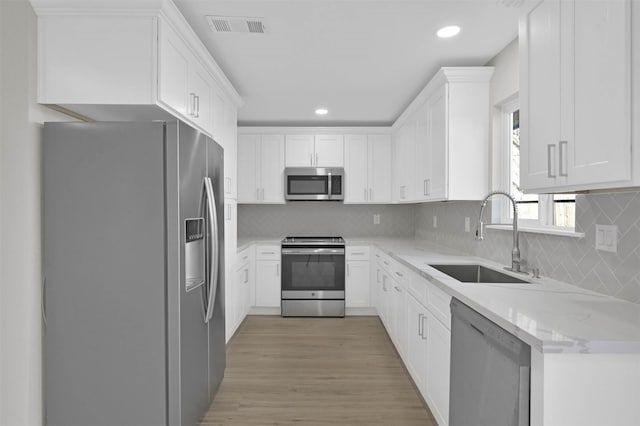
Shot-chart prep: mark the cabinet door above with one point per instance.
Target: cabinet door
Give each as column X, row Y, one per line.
column 272, row 169
column 268, row 283
column 416, row 343
column 200, row 96
column 435, row 185
column 438, row 363
column 399, row 314
column 231, row 153
column 357, row 285
column 329, row 151
column 356, row 169
column 299, row 151
column 423, row 154
column 248, row 168
column 404, row 160
column 379, row 177
column 597, row 135
column 540, row 113
column 173, row 73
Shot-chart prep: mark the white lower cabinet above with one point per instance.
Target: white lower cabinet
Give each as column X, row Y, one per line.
column 267, row 281
column 357, row 277
column 438, row 338
column 237, row 295
column 415, row 315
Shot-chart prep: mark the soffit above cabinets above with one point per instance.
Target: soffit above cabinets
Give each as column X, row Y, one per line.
column 364, row 60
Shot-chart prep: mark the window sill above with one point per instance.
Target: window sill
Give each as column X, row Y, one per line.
column 557, row 231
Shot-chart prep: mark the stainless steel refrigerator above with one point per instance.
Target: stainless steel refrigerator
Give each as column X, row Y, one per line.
column 133, row 297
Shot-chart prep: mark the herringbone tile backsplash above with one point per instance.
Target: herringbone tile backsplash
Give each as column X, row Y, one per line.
column 573, row 260
column 324, row 219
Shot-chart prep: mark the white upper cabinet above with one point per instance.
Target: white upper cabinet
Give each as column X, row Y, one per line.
column 140, row 61
column 367, row 168
column 260, row 169
column 314, row 151
column 441, row 142
column 575, row 62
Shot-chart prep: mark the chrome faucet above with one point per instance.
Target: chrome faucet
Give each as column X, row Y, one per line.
column 515, row 253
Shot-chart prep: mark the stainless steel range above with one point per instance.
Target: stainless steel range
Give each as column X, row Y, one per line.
column 313, row 277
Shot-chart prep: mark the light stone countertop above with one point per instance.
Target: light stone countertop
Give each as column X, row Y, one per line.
column 551, row 316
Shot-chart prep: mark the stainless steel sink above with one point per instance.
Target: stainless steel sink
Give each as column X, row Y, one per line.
column 477, row 274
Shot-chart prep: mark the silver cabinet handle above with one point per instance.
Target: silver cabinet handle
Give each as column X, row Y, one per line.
column 424, row 187
column 420, row 315
column 424, row 337
column 399, row 274
column 244, row 258
column 562, row 166
column 355, row 253
column 370, row 194
column 311, row 159
column 197, row 107
column 397, row 289
column 257, row 194
column 277, row 269
column 246, row 276
column 385, row 262
column 316, row 158
column 551, row 164
column 228, row 212
column 268, row 252
column 365, row 194
column 428, row 186
column 402, row 192
column 377, row 275
column 192, row 104
column 262, row 194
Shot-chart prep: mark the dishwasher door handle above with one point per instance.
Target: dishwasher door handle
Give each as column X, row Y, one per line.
column 523, row 396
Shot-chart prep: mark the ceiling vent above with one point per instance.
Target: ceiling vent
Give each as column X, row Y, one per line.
column 236, row 24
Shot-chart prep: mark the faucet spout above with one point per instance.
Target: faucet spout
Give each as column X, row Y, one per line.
column 515, row 252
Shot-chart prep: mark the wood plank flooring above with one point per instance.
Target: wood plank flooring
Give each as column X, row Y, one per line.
column 315, row 371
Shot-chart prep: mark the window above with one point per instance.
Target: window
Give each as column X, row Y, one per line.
column 534, row 210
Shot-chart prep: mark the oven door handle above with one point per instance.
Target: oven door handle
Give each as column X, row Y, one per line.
column 313, row 251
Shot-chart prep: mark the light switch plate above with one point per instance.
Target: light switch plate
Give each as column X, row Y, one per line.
column 376, row 219
column 607, row 238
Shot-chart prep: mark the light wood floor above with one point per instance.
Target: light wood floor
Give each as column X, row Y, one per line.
column 315, row 371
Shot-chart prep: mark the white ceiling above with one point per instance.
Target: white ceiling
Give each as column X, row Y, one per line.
column 364, row 60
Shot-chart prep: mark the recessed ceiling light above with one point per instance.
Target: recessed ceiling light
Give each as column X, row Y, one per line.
column 450, row 31
column 322, row 111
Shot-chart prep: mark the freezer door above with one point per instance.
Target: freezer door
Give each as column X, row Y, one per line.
column 104, row 264
column 217, row 357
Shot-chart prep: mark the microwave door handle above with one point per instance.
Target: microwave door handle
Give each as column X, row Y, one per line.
column 213, row 244
column 329, row 185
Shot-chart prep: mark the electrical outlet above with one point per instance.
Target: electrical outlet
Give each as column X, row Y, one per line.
column 467, row 224
column 435, row 221
column 607, row 238
column 376, row 219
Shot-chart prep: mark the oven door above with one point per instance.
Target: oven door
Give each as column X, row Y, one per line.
column 313, row 273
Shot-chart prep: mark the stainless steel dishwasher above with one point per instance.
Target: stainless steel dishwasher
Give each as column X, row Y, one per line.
column 490, row 372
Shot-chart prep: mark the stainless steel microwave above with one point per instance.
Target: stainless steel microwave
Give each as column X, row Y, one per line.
column 313, row 184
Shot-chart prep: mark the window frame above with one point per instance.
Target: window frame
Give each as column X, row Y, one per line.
column 502, row 210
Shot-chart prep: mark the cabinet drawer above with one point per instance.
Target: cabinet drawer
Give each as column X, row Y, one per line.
column 386, row 262
column 438, row 303
column 266, row 252
column 243, row 257
column 417, row 286
column 358, row 253
column 400, row 273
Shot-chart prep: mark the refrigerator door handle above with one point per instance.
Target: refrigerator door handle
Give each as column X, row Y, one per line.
column 43, row 295
column 213, row 244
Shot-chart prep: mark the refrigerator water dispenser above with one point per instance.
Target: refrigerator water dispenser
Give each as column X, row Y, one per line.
column 194, row 253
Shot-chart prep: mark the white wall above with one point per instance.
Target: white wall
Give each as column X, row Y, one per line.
column 20, row 218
